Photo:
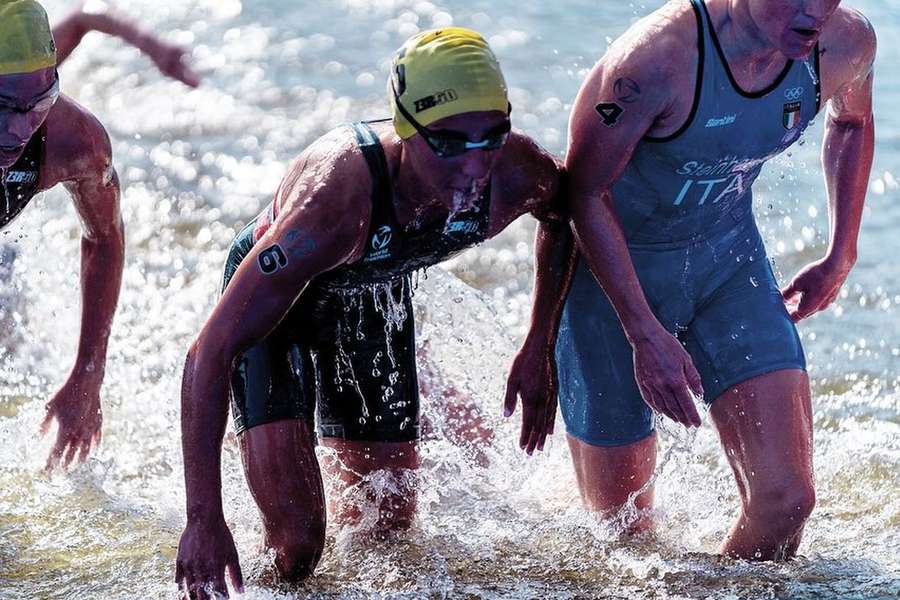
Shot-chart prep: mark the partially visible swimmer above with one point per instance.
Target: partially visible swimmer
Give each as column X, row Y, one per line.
column 316, row 314
column 170, row 59
column 68, row 33
column 47, row 139
column 668, row 134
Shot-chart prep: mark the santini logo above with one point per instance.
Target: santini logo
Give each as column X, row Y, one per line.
column 721, row 121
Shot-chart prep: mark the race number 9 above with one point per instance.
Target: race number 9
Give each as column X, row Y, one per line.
column 271, row 259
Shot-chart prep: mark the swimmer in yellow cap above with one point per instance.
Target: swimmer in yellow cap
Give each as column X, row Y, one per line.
column 316, row 315
column 46, row 139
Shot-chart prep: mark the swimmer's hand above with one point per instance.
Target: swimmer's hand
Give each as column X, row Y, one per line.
column 666, row 376
column 815, row 287
column 205, row 551
column 76, row 410
column 532, row 378
column 171, row 60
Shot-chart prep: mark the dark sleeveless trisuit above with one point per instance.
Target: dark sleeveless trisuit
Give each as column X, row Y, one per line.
column 685, row 204
column 347, row 346
column 20, row 184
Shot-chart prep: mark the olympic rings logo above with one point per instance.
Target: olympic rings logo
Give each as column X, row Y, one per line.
column 793, row 93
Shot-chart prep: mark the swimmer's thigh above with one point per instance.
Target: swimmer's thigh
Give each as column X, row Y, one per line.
column 368, row 403
column 609, row 426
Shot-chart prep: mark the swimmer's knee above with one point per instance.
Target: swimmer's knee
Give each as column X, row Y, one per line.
column 299, row 550
column 783, row 507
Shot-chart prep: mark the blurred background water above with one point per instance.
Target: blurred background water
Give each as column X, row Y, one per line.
column 197, row 165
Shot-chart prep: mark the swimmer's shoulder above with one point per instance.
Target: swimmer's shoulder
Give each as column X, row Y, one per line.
column 77, row 147
column 846, row 47
column 526, row 175
column 659, row 48
column 328, row 187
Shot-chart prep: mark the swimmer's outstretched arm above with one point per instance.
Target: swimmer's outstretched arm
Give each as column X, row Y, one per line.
column 527, row 171
column 603, row 133
column 847, row 150
column 533, row 373
column 169, row 58
column 323, row 223
column 94, row 186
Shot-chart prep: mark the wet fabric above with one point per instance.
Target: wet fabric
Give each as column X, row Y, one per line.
column 697, row 181
column 720, row 298
column 347, row 348
column 685, row 205
column 20, row 182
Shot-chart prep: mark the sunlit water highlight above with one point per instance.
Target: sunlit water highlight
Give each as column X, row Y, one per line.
column 198, row 165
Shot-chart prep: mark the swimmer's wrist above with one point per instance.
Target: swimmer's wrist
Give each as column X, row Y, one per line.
column 646, row 331
column 203, row 514
column 842, row 258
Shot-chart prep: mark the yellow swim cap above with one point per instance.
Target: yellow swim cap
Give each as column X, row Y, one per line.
column 444, row 72
column 26, row 43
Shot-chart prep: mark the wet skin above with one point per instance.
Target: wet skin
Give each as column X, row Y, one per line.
column 758, row 37
column 77, row 155
column 326, row 196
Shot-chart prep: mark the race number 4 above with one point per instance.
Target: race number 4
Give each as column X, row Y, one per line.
column 610, row 112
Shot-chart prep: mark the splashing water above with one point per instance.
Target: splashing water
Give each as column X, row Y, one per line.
column 5, row 189
column 195, row 165
column 811, row 71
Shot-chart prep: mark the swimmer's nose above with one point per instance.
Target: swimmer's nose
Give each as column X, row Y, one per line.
column 19, row 129
column 476, row 164
column 816, row 9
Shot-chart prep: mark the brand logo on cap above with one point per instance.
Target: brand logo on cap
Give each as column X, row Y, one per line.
column 435, row 100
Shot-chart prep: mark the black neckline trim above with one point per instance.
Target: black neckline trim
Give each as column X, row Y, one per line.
column 701, row 59
column 734, row 83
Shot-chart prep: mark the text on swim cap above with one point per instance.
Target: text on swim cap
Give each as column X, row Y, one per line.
column 435, row 100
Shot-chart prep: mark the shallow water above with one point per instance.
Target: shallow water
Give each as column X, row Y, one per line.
column 199, row 164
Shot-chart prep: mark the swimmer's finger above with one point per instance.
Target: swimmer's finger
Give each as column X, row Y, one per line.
column 48, row 420
column 687, row 407
column 72, row 449
column 551, row 420
column 805, row 308
column 234, row 571
column 509, row 403
column 695, row 382
column 537, row 429
column 216, row 588
column 674, row 405
column 87, row 445
column 655, row 400
column 790, row 290
column 59, row 447
column 527, row 425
